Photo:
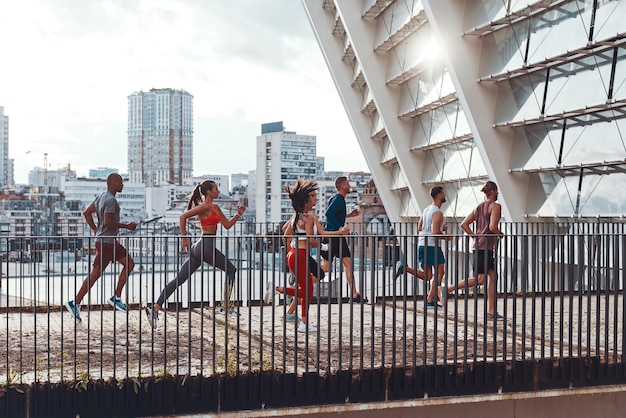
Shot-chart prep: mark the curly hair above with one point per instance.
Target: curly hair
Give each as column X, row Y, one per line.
column 199, row 192
column 300, row 193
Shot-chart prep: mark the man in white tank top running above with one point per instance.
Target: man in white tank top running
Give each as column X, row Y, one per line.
column 429, row 253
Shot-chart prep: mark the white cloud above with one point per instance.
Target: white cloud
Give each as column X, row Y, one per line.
column 69, row 67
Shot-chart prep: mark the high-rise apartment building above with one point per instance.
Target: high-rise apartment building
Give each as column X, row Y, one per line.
column 282, row 157
column 251, row 192
column 5, row 176
column 531, row 95
column 10, row 172
column 160, row 137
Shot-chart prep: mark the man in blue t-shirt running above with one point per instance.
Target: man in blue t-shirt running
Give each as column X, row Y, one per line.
column 338, row 246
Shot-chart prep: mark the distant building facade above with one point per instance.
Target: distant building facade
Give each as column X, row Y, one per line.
column 163, row 198
column 22, row 214
column 160, row 137
column 101, row 172
column 52, row 179
column 132, row 199
column 10, row 172
column 36, row 214
column 5, row 177
column 222, row 181
column 238, row 179
column 321, row 164
column 251, row 192
column 282, row 157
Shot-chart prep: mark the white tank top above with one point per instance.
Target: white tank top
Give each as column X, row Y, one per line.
column 427, row 225
column 299, row 232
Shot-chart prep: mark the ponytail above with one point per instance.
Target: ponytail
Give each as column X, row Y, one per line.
column 195, row 198
column 199, row 192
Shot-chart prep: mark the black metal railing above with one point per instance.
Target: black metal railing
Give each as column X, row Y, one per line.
column 559, row 288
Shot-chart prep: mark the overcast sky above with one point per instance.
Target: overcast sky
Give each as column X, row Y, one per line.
column 68, row 66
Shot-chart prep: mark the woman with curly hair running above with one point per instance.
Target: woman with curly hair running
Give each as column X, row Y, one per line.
column 304, row 224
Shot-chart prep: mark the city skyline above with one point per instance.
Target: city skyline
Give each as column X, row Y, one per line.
column 66, row 91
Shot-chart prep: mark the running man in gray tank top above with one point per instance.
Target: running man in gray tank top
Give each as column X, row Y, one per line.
column 108, row 248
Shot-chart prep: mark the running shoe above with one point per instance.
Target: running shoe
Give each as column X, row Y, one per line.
column 306, row 328
column 117, row 303
column 267, row 296
column 291, row 317
column 152, row 316
column 400, row 269
column 74, row 309
column 496, row 316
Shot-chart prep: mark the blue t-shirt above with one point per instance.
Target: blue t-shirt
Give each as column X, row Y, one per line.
column 336, row 212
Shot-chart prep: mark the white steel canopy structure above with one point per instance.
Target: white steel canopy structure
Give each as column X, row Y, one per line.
column 457, row 92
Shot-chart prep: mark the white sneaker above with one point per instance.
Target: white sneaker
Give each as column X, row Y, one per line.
column 400, row 269
column 267, row 296
column 153, row 316
column 306, row 328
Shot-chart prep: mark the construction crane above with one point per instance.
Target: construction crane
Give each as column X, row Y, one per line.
column 45, row 168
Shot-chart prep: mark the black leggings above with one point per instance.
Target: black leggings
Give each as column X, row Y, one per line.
column 202, row 250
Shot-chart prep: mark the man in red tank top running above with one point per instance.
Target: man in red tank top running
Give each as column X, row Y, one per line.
column 486, row 217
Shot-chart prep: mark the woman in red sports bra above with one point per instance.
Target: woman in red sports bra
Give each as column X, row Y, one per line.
column 210, row 215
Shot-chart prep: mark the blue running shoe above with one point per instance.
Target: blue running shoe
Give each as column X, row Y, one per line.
column 74, row 310
column 117, row 303
column 291, row 317
column 432, row 304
